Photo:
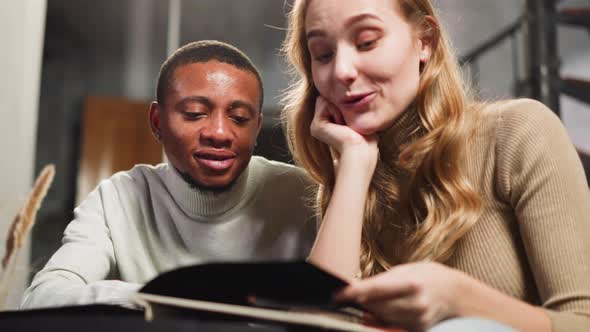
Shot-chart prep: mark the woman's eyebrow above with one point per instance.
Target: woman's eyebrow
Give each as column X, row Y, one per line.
column 350, row 21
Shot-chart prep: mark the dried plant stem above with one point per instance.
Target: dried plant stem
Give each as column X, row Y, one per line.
column 20, row 227
column 7, row 279
column 10, row 241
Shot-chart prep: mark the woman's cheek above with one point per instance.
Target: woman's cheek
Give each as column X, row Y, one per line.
column 320, row 80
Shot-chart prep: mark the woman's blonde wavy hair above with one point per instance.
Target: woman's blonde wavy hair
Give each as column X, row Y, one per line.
column 440, row 202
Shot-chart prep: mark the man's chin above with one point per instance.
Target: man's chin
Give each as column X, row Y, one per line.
column 214, row 188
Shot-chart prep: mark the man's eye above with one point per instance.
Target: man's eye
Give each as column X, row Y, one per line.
column 240, row 119
column 193, row 115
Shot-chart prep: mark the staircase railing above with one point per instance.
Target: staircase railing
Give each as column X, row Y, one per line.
column 543, row 81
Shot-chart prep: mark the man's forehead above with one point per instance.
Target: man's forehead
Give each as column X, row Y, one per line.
column 213, row 72
column 214, row 79
column 212, row 66
column 220, row 77
column 217, row 83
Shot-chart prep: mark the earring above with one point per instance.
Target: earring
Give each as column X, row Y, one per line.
column 424, row 56
column 157, row 134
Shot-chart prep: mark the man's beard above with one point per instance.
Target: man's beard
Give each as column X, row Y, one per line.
column 196, row 185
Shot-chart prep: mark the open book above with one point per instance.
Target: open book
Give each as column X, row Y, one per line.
column 293, row 293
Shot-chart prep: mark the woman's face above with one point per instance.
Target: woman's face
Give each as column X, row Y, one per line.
column 365, row 59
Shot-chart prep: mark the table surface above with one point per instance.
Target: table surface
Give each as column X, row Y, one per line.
column 101, row 318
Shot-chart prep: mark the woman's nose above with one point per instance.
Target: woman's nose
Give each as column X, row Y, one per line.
column 345, row 69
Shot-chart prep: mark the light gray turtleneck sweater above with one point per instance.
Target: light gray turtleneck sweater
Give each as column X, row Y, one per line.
column 148, row 220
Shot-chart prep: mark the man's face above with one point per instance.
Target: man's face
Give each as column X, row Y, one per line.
column 209, row 122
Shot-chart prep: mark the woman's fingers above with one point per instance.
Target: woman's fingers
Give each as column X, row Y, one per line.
column 326, row 113
column 415, row 295
column 325, row 125
column 328, row 126
column 336, row 115
column 396, row 310
column 321, row 110
column 378, row 288
column 321, row 117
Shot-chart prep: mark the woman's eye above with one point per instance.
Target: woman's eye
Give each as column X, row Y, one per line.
column 320, row 52
column 367, row 45
column 367, row 39
column 323, row 58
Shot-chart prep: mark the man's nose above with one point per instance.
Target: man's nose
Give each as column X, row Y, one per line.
column 217, row 132
column 345, row 69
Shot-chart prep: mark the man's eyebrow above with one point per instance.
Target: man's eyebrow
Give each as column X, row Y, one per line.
column 243, row 104
column 181, row 104
column 350, row 21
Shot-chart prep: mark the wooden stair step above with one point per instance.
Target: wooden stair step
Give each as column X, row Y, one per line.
column 575, row 16
column 586, row 163
column 576, row 88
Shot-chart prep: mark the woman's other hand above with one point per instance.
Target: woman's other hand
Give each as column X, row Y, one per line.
column 414, row 296
column 328, row 126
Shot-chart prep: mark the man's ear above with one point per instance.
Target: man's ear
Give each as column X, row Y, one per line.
column 260, row 117
column 429, row 38
column 154, row 118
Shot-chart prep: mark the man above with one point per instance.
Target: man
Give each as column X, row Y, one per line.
column 212, row 201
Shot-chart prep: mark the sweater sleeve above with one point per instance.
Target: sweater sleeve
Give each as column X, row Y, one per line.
column 75, row 273
column 541, row 175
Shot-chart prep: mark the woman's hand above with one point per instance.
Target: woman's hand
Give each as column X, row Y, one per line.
column 338, row 241
column 413, row 296
column 328, row 126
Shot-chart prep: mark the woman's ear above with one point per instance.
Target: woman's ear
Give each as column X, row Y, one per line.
column 429, row 38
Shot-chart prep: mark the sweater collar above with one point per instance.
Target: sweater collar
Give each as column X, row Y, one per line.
column 406, row 128
column 198, row 204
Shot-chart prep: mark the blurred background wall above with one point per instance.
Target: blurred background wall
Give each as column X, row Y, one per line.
column 102, row 58
column 21, row 37
column 469, row 22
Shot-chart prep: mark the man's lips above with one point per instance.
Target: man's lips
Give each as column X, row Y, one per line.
column 354, row 101
column 215, row 160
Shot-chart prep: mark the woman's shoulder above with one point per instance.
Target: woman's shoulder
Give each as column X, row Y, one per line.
column 513, row 116
column 517, row 113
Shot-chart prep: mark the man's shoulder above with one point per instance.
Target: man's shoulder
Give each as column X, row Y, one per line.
column 278, row 176
column 137, row 177
column 126, row 187
column 283, row 190
column 276, row 168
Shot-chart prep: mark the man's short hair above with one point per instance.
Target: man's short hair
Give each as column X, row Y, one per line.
column 199, row 52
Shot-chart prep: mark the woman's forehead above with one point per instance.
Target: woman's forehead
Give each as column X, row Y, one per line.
column 327, row 13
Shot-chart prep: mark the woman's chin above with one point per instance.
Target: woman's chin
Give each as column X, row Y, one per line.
column 364, row 130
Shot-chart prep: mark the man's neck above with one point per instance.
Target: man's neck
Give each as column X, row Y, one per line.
column 194, row 184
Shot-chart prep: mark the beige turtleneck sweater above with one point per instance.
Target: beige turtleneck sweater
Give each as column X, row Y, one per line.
column 143, row 222
column 532, row 240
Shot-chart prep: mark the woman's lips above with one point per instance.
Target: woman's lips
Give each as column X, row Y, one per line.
column 357, row 102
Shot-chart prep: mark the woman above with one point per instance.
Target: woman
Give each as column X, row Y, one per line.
column 444, row 207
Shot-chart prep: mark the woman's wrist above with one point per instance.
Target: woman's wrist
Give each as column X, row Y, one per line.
column 355, row 168
column 463, row 287
column 475, row 298
column 363, row 159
